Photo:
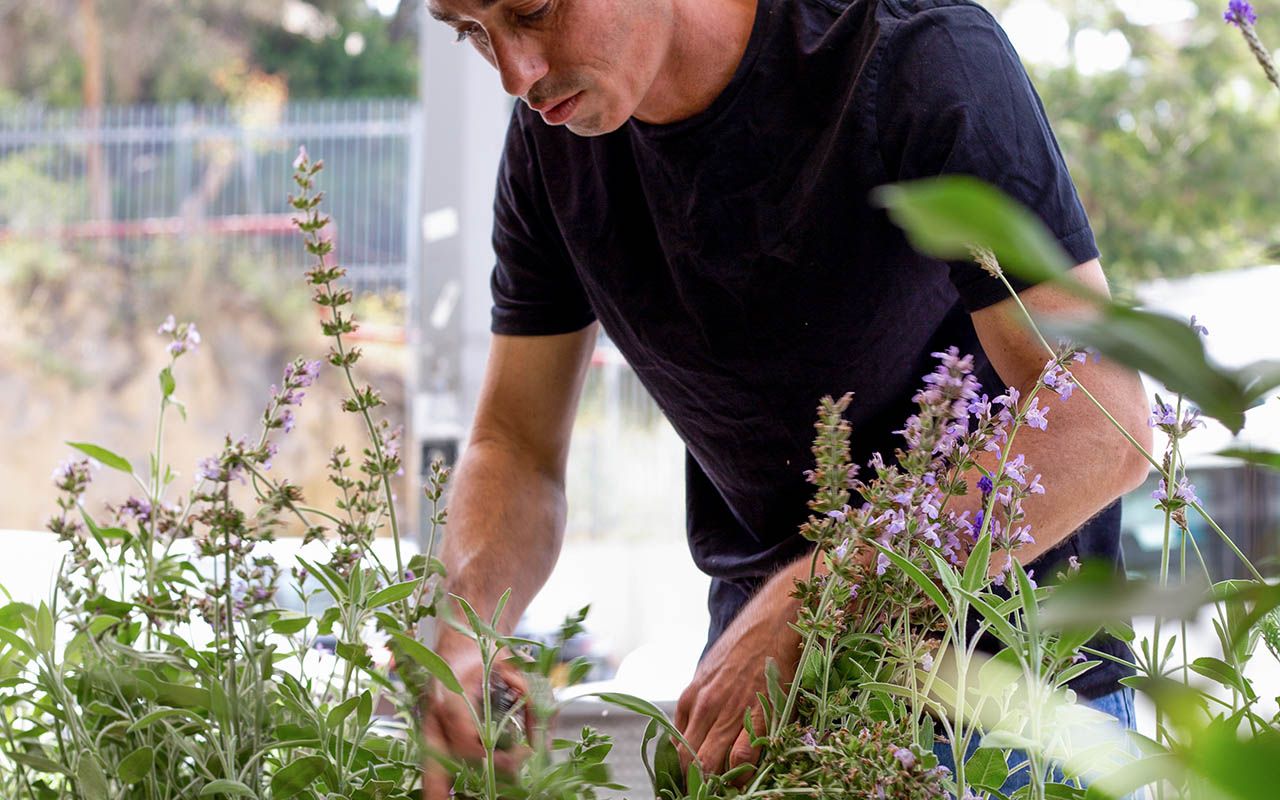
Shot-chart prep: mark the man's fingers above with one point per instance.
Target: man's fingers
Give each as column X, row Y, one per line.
column 683, row 705
column 714, row 750
column 436, row 781
column 743, row 753
column 701, row 717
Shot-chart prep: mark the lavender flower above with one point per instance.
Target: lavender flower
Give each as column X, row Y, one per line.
column 905, row 756
column 137, row 508
column 1239, row 13
column 302, row 160
column 1184, row 493
column 185, row 338
column 1165, row 418
column 1036, row 415
column 1195, row 326
column 209, row 469
column 985, row 486
column 1162, row 416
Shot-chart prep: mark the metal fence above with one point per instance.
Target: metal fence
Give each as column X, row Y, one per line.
column 128, row 178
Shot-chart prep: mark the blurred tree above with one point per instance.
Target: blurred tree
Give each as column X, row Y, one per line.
column 1174, row 152
column 348, row 52
column 159, row 51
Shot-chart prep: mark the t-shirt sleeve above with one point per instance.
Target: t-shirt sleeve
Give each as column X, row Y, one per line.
column 954, row 98
column 536, row 291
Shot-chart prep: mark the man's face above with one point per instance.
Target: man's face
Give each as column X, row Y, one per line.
column 585, row 64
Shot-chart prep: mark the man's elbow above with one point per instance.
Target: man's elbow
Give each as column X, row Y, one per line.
column 1131, row 463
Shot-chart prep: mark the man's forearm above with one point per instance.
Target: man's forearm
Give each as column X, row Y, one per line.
column 506, row 523
column 1083, row 461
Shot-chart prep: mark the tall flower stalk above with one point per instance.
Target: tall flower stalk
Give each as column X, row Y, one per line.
column 1240, row 13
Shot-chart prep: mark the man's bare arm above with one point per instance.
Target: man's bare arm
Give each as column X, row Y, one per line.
column 507, row 505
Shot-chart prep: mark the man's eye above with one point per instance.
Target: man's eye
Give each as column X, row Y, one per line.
column 537, row 13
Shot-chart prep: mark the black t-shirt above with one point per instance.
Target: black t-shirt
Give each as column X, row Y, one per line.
column 735, row 260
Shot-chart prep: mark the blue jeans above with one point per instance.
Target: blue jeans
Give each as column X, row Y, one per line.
column 1118, row 704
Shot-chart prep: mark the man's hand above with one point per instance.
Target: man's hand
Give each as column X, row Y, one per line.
column 710, row 712
column 450, row 731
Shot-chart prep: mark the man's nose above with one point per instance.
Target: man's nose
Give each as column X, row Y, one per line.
column 520, row 63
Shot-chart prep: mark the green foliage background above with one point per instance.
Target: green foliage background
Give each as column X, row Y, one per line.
column 1174, row 154
column 157, row 51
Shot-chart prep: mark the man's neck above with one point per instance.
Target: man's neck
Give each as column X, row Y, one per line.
column 708, row 40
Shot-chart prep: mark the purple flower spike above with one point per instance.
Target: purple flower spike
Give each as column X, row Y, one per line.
column 1195, row 326
column 1240, row 13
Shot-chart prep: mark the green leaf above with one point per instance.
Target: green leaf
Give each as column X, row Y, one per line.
column 1165, row 348
column 13, row 617
column 167, row 384
column 103, row 455
column 1075, row 671
column 917, row 577
column 18, row 643
column 228, row 788
column 339, row 713
column 1259, row 379
column 987, row 768
column 394, row 593
column 666, row 767
column 1096, row 596
column 160, row 714
column 297, row 776
column 999, row 624
column 136, row 766
column 364, row 709
column 498, row 609
column 428, row 660
column 1239, row 767
column 92, row 779
column 1215, row 669
column 946, row 217
column 478, row 626
column 644, row 707
column 38, row 762
column 650, row 733
column 290, row 625
column 101, row 535
column 1030, row 605
column 1261, row 458
column 42, row 630
column 181, row 695
column 328, row 578
column 1133, row 776
column 975, row 570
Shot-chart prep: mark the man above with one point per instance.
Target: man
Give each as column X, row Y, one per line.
column 693, row 175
